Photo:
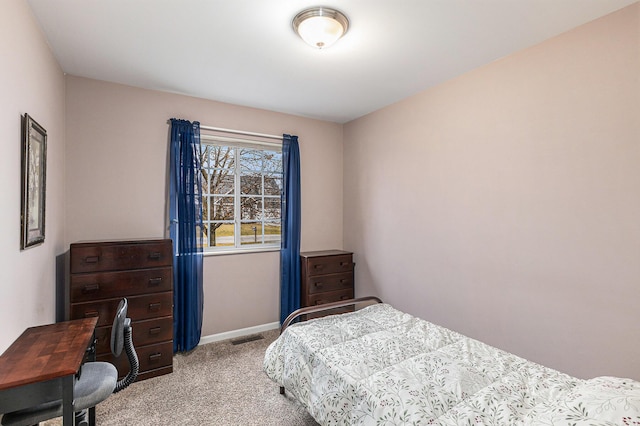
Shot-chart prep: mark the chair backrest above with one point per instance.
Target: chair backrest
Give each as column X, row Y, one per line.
column 117, row 331
column 121, row 339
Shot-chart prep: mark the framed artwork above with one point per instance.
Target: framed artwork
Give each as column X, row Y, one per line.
column 34, row 168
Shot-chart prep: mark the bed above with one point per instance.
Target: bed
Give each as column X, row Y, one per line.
column 380, row 366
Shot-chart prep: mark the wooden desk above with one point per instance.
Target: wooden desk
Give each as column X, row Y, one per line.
column 40, row 366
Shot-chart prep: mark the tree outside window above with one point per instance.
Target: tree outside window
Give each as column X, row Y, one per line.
column 241, row 193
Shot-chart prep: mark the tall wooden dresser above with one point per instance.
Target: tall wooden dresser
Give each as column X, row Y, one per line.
column 326, row 276
column 101, row 273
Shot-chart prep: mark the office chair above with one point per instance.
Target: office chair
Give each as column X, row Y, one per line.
column 94, row 383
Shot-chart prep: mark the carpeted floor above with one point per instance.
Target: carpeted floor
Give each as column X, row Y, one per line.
column 215, row 384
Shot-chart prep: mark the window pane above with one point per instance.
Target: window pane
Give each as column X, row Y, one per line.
column 272, row 232
column 273, row 184
column 251, row 208
column 205, row 179
column 205, row 208
column 250, row 161
column 251, row 184
column 221, row 157
column 273, row 161
column 272, row 208
column 251, row 233
column 222, row 208
column 204, row 156
column 223, row 234
column 222, row 182
column 205, row 234
column 200, row 242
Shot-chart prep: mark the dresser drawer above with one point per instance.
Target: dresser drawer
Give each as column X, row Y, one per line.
column 140, row 307
column 331, row 282
column 145, row 332
column 329, row 296
column 329, row 265
column 153, row 331
column 106, row 285
column 150, row 357
column 87, row 257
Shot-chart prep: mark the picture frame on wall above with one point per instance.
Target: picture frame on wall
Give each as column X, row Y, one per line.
column 34, row 168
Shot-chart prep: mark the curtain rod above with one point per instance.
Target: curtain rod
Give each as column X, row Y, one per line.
column 225, row 139
column 240, row 132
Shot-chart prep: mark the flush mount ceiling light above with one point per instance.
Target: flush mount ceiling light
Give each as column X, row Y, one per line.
column 320, row 26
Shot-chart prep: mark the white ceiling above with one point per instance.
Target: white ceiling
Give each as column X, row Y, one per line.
column 245, row 52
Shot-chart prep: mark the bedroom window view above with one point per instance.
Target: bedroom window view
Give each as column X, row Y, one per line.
column 241, row 190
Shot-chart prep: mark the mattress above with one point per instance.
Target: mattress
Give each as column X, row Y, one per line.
column 380, row 366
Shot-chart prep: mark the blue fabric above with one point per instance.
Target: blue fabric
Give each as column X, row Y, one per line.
column 185, row 214
column 290, row 251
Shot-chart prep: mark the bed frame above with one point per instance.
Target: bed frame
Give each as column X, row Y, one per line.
column 324, row 307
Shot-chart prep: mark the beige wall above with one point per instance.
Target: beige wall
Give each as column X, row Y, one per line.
column 30, row 82
column 117, row 139
column 505, row 203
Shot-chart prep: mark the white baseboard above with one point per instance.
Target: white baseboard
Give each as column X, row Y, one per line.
column 238, row 333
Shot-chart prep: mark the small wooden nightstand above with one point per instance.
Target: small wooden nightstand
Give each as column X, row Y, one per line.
column 326, row 276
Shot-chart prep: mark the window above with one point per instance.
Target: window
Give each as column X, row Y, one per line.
column 241, row 190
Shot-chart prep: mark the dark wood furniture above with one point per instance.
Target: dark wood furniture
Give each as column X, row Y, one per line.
column 41, row 364
column 102, row 273
column 326, row 276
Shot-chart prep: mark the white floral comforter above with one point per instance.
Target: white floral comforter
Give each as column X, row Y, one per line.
column 379, row 366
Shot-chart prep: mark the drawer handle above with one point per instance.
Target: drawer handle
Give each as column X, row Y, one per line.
column 319, row 302
column 344, row 297
column 89, row 288
column 155, row 306
column 344, row 281
column 318, row 285
column 155, row 357
column 90, row 314
column 318, row 266
column 155, row 281
column 155, row 330
column 154, row 255
column 91, row 259
column 345, row 263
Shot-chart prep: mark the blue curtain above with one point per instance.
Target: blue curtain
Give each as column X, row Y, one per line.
column 185, row 214
column 290, row 251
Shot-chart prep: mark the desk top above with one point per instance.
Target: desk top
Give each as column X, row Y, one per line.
column 46, row 352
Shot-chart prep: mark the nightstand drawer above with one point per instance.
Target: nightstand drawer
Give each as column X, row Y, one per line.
column 330, row 296
column 89, row 257
column 105, row 285
column 329, row 265
column 331, row 282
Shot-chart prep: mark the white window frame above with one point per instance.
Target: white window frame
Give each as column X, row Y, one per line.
column 237, row 144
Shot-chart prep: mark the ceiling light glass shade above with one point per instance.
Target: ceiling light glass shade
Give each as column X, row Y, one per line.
column 320, row 27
